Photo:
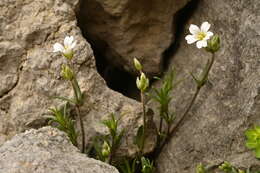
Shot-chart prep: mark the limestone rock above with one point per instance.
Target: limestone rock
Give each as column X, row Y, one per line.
column 124, row 29
column 230, row 103
column 30, row 71
column 46, row 150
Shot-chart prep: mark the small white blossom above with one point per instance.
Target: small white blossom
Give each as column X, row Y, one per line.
column 199, row 35
column 67, row 48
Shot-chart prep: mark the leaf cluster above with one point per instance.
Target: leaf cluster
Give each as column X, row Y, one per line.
column 64, row 122
column 225, row 167
column 106, row 146
column 147, row 165
column 253, row 140
column 128, row 166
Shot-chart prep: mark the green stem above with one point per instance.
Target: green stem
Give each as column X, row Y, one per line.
column 82, row 128
column 144, row 121
column 161, row 122
column 112, row 151
column 180, row 122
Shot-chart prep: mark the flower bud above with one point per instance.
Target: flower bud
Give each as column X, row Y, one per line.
column 213, row 44
column 200, row 169
column 226, row 166
column 105, row 149
column 142, row 83
column 68, row 53
column 241, row 171
column 138, row 65
column 67, row 72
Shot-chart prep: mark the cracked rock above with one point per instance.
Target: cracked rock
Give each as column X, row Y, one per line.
column 47, row 150
column 30, row 71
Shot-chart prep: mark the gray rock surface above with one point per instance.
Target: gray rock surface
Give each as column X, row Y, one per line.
column 30, row 71
column 124, row 29
column 47, row 150
column 230, row 102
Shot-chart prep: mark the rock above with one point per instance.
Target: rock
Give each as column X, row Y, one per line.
column 230, row 103
column 124, row 29
column 30, row 71
column 46, row 150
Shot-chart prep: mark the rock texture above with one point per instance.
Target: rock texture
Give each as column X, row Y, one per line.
column 230, row 102
column 124, row 29
column 30, row 71
column 46, row 150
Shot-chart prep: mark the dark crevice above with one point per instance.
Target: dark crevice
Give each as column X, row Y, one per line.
column 180, row 20
column 117, row 78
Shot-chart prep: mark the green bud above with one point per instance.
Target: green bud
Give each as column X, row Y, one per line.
column 226, row 167
column 241, row 171
column 105, row 149
column 67, row 72
column 200, row 168
column 138, row 65
column 68, row 53
column 142, row 83
column 213, row 44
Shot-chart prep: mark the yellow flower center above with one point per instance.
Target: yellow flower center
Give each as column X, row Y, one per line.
column 201, row 35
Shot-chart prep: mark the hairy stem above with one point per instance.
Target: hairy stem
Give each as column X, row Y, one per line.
column 161, row 123
column 111, row 155
column 180, row 122
column 144, row 121
column 82, row 129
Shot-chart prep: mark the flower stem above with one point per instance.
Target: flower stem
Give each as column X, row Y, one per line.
column 111, row 155
column 82, row 128
column 180, row 122
column 144, row 121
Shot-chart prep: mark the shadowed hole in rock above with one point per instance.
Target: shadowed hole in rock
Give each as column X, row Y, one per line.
column 116, row 77
column 180, row 20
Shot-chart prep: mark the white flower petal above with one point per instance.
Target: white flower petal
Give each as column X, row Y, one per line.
column 205, row 27
column 208, row 35
column 194, row 29
column 201, row 44
column 73, row 44
column 190, row 39
column 57, row 47
column 68, row 41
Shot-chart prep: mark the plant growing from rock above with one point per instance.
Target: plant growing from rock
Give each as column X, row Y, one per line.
column 224, row 167
column 113, row 140
column 106, row 146
column 142, row 83
column 253, row 140
column 163, row 97
column 61, row 118
column 203, row 39
column 64, row 123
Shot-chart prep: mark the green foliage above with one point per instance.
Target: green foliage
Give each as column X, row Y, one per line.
column 228, row 168
column 200, row 168
column 63, row 122
column 115, row 136
column 225, row 167
column 127, row 167
column 139, row 138
column 106, row 146
column 147, row 165
column 163, row 97
column 253, row 140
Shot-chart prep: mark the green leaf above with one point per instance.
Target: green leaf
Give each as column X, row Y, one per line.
column 251, row 144
column 64, row 99
column 139, row 137
column 257, row 152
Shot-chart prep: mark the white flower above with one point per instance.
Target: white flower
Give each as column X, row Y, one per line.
column 201, row 35
column 67, row 49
